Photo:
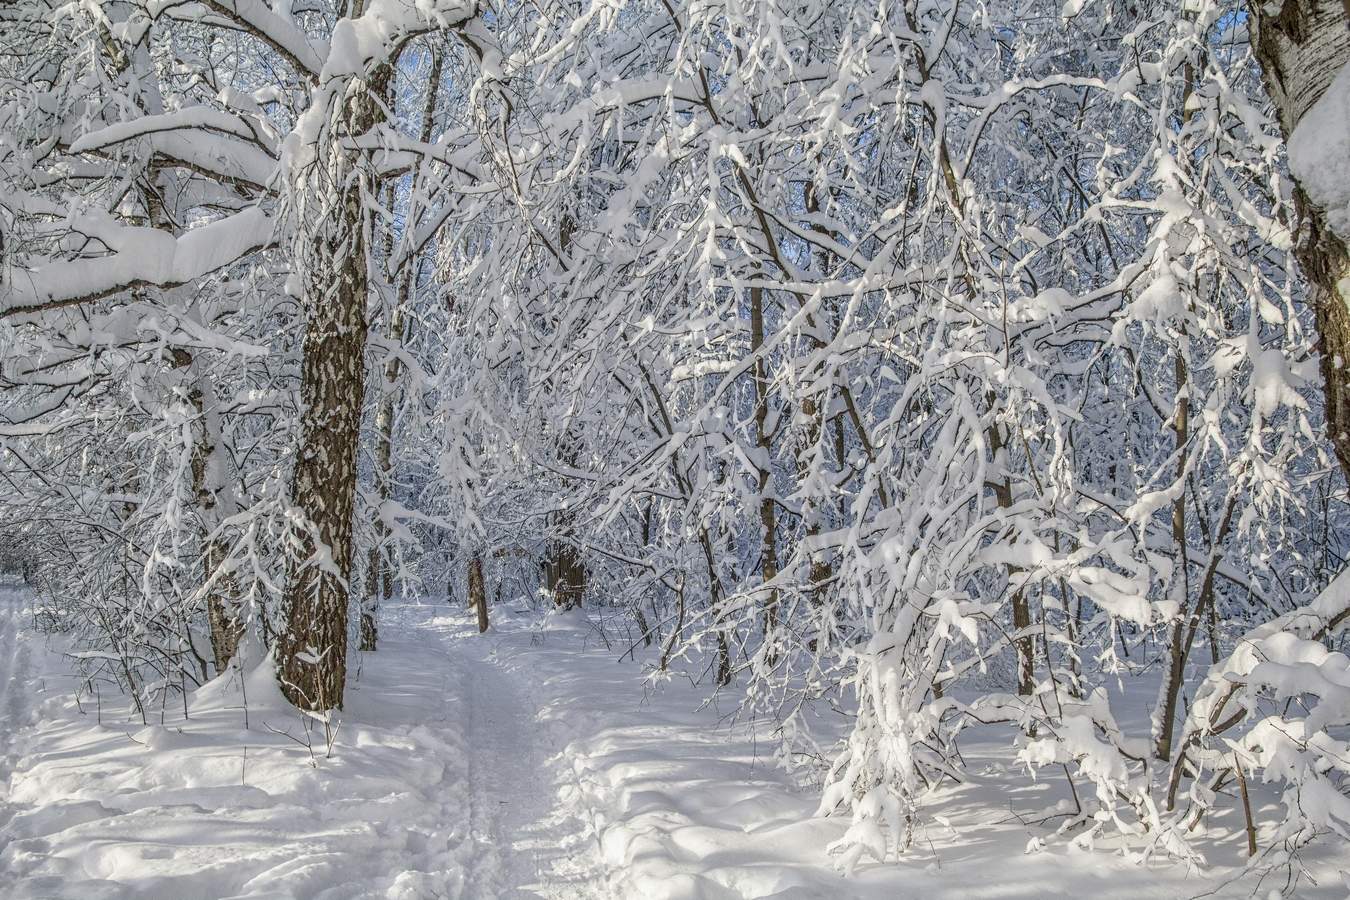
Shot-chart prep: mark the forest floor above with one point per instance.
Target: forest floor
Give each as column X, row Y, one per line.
column 525, row 763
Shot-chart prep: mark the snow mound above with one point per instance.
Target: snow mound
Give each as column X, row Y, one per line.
column 244, row 797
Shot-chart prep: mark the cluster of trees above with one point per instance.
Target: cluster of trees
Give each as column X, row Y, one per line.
column 942, row 358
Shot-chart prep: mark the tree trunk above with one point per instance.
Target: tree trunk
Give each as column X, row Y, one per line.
column 222, row 601
column 370, row 604
column 1178, row 648
column 1025, row 643
column 566, row 576
column 767, row 513
column 206, row 468
column 312, row 649
column 715, row 589
column 380, row 574
column 1301, row 48
column 478, row 596
column 380, row 577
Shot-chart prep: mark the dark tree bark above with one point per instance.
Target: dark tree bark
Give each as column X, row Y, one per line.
column 1301, row 48
column 566, row 574
column 1024, row 643
column 312, row 650
column 313, row 647
column 477, row 595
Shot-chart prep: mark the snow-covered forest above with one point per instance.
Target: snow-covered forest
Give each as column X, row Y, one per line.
column 689, row 449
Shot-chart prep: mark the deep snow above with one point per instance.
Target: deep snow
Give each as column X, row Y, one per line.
column 436, row 786
column 522, row 763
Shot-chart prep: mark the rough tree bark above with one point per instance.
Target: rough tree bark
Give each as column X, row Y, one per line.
column 478, row 596
column 566, row 574
column 1301, row 46
column 312, row 649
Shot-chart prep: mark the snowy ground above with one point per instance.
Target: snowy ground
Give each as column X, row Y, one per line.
column 525, row 763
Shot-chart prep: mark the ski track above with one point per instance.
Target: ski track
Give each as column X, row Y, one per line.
column 525, row 844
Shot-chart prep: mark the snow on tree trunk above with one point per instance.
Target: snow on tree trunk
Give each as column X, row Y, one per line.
column 222, row 597
column 312, row 649
column 1303, row 47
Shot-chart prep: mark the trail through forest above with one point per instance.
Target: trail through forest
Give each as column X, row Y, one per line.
column 523, row 763
column 436, row 785
column 905, row 446
column 523, row 846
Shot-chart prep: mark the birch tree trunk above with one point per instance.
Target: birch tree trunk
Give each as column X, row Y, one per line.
column 1301, row 47
column 313, row 648
column 222, row 600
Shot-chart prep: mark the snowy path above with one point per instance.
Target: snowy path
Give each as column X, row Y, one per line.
column 526, row 845
column 442, row 785
column 15, row 673
column 525, row 764
column 507, row 791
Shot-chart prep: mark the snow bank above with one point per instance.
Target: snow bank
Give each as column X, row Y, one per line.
column 243, row 798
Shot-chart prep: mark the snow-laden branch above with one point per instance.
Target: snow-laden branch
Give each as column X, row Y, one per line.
column 137, row 257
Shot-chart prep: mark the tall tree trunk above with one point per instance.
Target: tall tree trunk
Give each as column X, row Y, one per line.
column 1025, row 642
column 207, row 469
column 1178, row 647
column 1301, row 46
column 1178, row 644
column 767, row 513
column 222, row 600
column 312, row 649
column 380, row 573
